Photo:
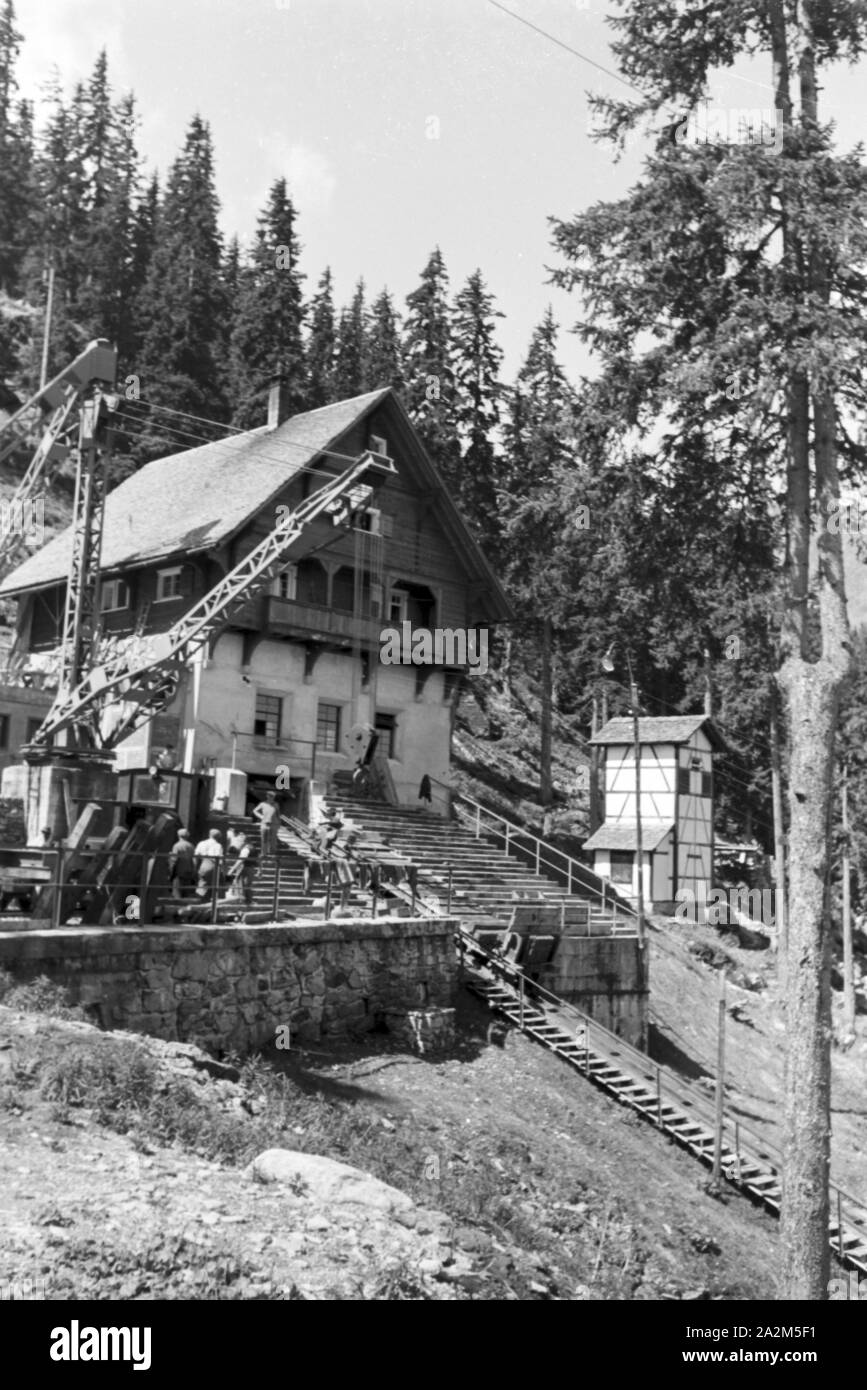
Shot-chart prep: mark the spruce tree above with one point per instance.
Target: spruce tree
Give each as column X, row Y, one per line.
column 267, row 333
column 350, row 355
column 321, row 345
column 476, row 359
column 384, row 365
column 183, row 304
column 428, row 366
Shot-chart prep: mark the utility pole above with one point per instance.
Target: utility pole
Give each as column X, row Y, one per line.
column 720, row 1079
column 46, row 340
column 779, row 842
column 848, row 959
column 708, row 687
column 594, row 811
column 636, row 739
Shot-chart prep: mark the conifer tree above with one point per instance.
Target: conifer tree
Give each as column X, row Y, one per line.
column 428, row 367
column 350, row 356
column 321, row 345
column 183, row 304
column 476, row 361
column 267, row 334
column 384, row 365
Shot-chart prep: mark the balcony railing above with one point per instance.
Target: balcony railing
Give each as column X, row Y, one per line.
column 287, row 617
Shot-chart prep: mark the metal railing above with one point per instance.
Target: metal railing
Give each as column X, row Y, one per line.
column 124, row 886
column 531, row 850
column 746, row 1148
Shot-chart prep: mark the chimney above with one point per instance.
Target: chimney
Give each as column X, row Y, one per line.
column 278, row 400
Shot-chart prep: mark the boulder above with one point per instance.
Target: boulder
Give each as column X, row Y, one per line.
column 327, row 1181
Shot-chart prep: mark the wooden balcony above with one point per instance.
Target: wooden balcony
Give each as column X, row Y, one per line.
column 291, row 618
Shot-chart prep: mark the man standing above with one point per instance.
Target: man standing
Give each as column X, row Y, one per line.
column 182, row 872
column 208, row 853
column 266, row 814
column 241, row 872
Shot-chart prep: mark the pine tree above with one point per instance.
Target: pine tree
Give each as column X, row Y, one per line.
column 321, row 345
column 428, row 367
column 267, row 333
column 183, row 304
column 384, row 365
column 477, row 357
column 350, row 356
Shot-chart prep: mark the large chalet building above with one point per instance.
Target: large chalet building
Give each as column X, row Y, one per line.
column 284, row 685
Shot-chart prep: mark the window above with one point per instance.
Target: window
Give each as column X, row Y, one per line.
column 683, row 781
column 706, row 784
column 168, row 584
column 113, row 595
column 32, row 726
column 398, row 606
column 286, row 584
column 328, row 728
column 4, row 730
column 268, row 717
column 622, row 861
column 386, row 727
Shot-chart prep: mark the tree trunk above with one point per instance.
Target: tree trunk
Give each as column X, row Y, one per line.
column 546, row 788
column 812, row 686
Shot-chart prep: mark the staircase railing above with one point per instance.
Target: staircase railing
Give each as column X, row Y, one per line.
column 530, row 849
column 742, row 1144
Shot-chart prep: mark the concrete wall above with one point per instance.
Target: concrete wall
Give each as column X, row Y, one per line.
column 230, row 988
column 607, row 978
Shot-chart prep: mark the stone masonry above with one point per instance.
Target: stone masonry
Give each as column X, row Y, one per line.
column 231, row 988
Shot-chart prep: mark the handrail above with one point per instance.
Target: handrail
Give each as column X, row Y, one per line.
column 573, row 868
column 678, row 1086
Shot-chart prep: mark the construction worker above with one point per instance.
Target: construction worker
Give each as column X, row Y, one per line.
column 208, row 853
column 240, row 873
column 267, row 816
column 182, row 870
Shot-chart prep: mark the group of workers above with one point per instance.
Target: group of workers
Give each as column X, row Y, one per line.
column 192, row 868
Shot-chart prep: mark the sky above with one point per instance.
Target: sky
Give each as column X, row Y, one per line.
column 399, row 125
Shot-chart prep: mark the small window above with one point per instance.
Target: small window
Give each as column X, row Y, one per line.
column 268, row 717
column 4, row 730
column 168, row 584
column 386, row 727
column 683, row 781
column 113, row 595
column 286, row 584
column 398, row 606
column 328, row 728
column 33, row 726
column 707, row 784
column 622, row 861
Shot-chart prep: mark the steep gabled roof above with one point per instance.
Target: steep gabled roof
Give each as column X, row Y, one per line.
column 678, row 728
column 198, row 499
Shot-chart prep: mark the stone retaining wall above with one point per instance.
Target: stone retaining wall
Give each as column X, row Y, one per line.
column 231, row 988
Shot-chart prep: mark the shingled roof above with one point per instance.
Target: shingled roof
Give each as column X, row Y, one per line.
column 197, row 499
column 678, row 728
column 624, row 835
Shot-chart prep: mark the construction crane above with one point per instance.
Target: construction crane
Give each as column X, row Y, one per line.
column 143, row 678
column 62, row 397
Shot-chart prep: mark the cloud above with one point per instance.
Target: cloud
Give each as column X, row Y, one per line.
column 66, row 37
column 307, row 171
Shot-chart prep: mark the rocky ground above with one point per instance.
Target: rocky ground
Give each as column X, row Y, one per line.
column 127, row 1171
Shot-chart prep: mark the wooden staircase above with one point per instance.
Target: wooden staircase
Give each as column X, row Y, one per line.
column 662, row 1098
